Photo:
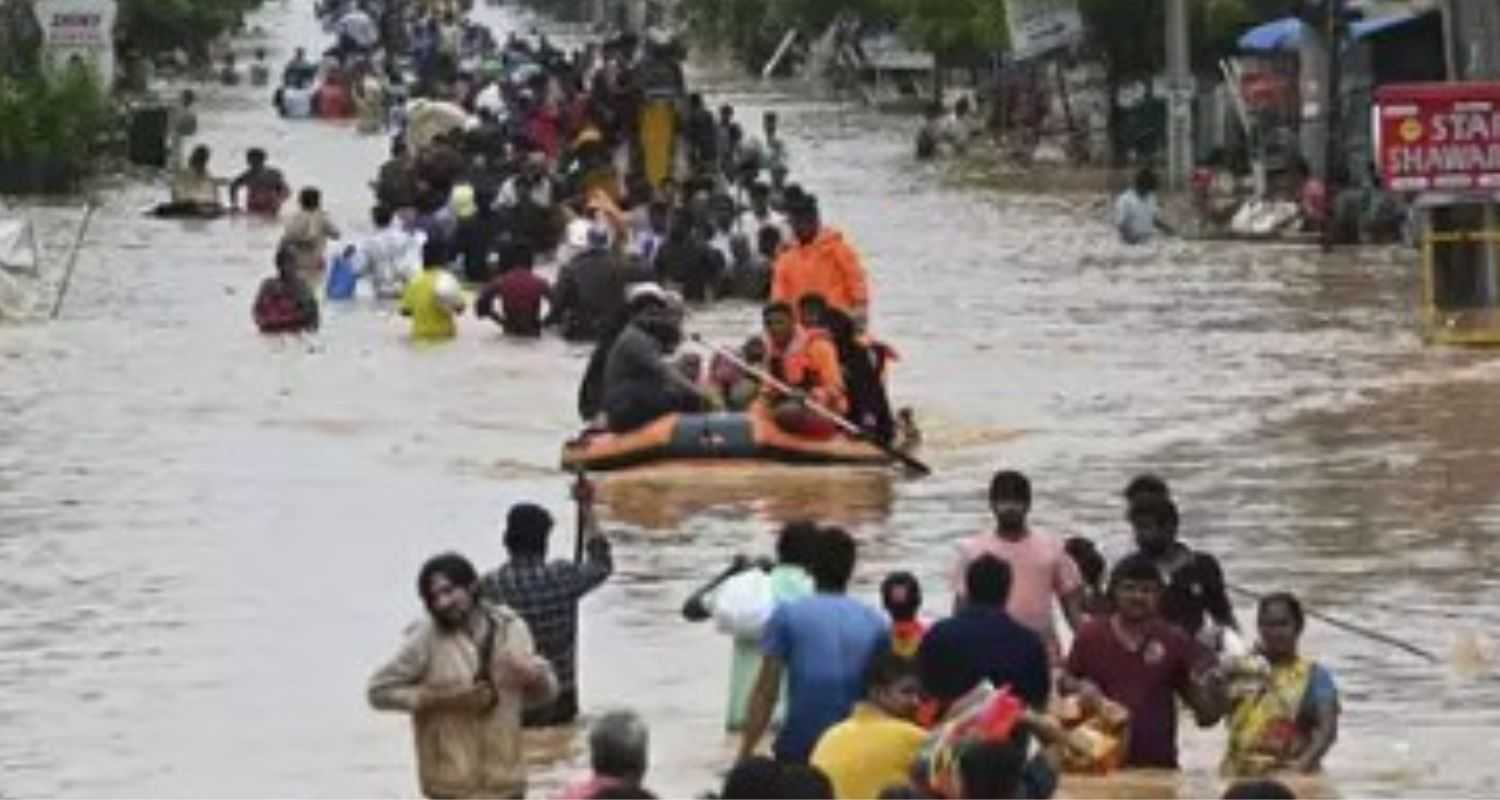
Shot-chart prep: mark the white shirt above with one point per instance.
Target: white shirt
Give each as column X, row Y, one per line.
column 390, row 258
column 358, row 26
column 1135, row 217
column 490, row 99
column 296, row 103
column 749, row 224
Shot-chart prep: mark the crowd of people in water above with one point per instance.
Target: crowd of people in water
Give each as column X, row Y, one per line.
column 990, row 701
column 509, row 155
column 505, row 155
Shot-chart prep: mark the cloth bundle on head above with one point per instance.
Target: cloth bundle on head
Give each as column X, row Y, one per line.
column 462, row 201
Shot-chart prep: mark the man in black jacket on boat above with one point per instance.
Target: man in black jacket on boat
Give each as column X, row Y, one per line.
column 640, row 386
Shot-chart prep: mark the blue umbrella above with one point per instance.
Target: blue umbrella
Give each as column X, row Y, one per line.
column 1286, row 33
column 1281, row 34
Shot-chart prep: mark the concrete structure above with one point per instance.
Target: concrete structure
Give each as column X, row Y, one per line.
column 1473, row 39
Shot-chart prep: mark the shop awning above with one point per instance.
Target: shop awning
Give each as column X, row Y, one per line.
column 1286, row 33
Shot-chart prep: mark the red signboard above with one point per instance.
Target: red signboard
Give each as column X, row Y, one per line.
column 1439, row 136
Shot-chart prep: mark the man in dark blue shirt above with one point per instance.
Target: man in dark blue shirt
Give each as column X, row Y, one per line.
column 981, row 642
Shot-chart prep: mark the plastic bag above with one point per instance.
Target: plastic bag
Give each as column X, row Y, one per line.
column 343, row 277
column 984, row 714
column 744, row 603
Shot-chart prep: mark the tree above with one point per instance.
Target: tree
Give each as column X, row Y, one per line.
column 957, row 32
column 150, row 27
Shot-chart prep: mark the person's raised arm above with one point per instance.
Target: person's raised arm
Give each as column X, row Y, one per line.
column 598, row 559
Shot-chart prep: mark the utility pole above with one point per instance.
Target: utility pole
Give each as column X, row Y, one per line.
column 1180, row 96
column 1333, row 154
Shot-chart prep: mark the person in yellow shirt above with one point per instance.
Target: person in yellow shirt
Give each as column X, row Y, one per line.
column 874, row 748
column 434, row 297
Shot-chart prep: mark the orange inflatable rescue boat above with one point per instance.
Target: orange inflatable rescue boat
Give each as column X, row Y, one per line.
column 725, row 437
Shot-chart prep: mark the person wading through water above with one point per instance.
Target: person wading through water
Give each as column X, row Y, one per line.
column 264, row 186
column 823, row 644
column 308, row 232
column 1284, row 707
column 546, row 594
column 1135, row 658
column 741, row 605
column 521, row 293
column 590, row 288
column 464, row 674
column 1040, row 566
column 1195, row 593
column 285, row 303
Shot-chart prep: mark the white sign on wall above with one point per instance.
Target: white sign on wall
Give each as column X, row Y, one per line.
column 1038, row 26
column 79, row 31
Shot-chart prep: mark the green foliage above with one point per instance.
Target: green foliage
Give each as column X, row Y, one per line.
column 1130, row 35
column 150, row 27
column 57, row 119
column 956, row 30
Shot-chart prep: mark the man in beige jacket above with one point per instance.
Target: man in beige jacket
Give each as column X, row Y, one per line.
column 464, row 675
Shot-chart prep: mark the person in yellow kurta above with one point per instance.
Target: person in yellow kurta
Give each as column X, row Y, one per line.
column 434, row 297
column 874, row 748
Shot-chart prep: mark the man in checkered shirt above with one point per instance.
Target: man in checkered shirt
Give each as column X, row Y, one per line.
column 546, row 594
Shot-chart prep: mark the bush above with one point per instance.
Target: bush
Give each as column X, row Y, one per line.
column 49, row 130
column 148, row 28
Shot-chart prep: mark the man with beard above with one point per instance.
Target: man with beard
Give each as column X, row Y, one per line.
column 1040, row 566
column 1194, row 592
column 463, row 675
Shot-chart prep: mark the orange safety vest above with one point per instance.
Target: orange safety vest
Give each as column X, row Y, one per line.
column 810, row 362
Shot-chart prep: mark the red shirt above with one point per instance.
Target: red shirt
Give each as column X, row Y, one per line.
column 1142, row 681
column 521, row 294
column 1312, row 198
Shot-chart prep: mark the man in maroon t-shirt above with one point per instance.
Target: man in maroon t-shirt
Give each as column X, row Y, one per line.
column 520, row 292
column 1140, row 661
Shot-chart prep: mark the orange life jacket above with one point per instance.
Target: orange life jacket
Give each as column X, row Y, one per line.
column 810, row 362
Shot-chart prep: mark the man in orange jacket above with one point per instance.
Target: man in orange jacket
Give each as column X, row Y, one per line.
column 806, row 360
column 819, row 261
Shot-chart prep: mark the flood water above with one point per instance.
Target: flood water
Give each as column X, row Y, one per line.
column 208, row 539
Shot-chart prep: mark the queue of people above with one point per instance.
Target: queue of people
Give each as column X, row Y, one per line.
column 598, row 160
column 872, row 701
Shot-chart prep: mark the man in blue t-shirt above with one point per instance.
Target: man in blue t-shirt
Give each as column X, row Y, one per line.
column 823, row 644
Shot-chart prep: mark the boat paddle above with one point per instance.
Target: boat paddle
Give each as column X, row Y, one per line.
column 845, row 425
column 583, row 498
column 693, row 609
column 1350, row 627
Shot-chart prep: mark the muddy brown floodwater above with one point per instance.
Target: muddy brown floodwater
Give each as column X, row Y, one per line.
column 208, row 538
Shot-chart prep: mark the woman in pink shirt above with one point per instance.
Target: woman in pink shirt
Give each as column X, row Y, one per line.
column 1040, row 566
